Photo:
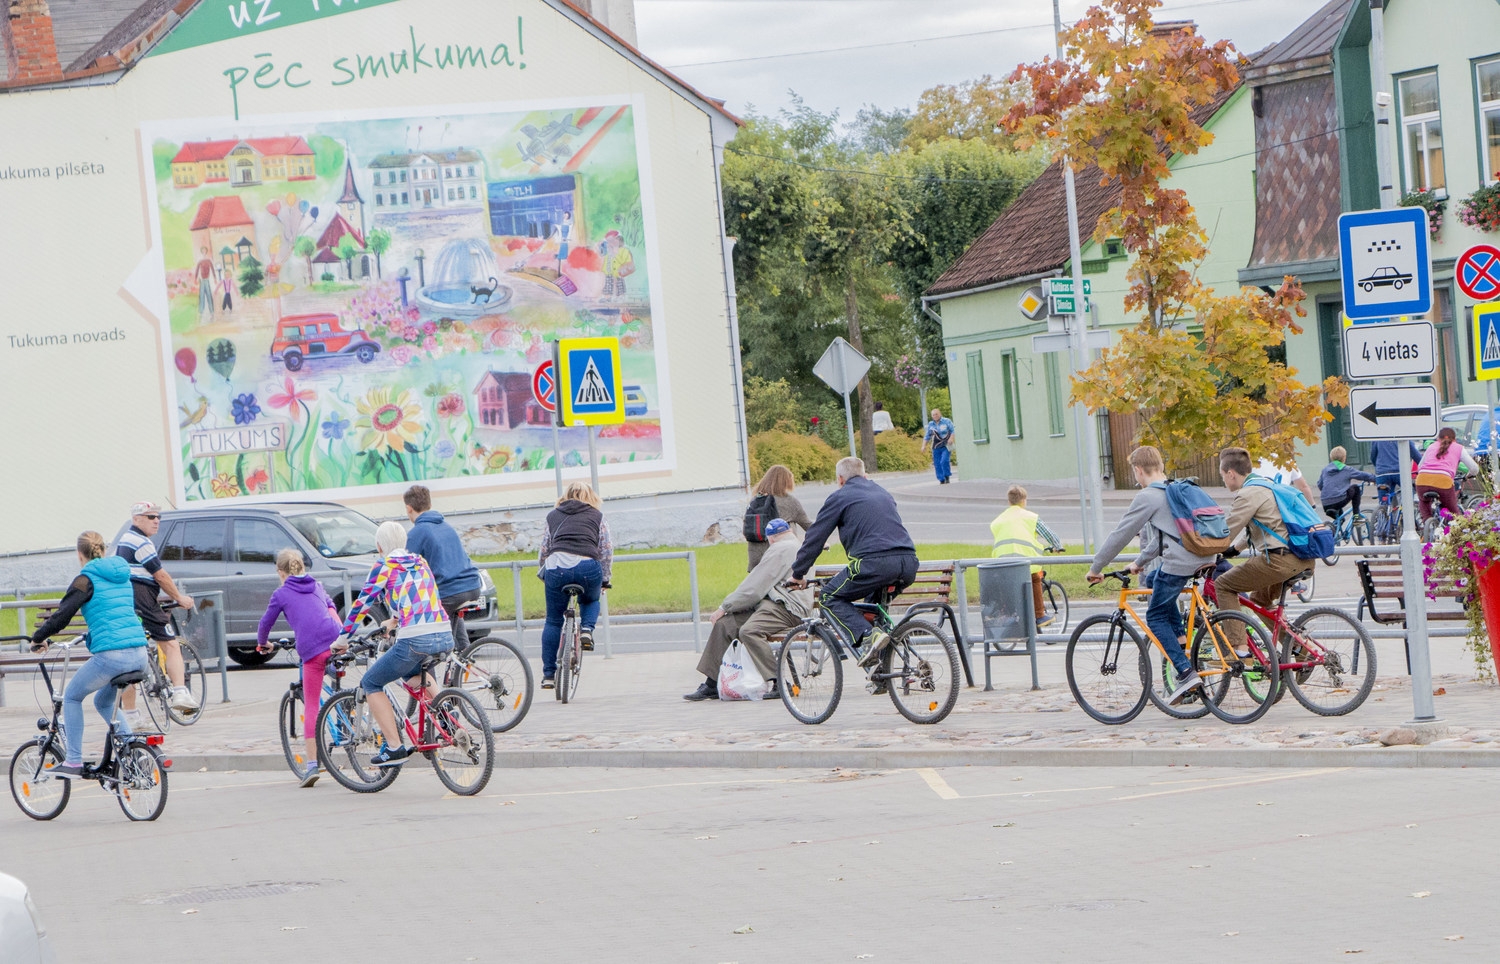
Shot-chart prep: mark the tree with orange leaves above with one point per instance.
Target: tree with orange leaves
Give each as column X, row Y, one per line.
column 1200, row 369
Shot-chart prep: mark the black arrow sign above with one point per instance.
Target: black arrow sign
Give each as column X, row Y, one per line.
column 1374, row 414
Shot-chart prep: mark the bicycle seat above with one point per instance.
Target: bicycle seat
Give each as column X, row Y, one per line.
column 573, row 589
column 128, row 679
column 470, row 607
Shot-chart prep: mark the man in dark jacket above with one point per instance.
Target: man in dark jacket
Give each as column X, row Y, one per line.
column 432, row 538
column 880, row 549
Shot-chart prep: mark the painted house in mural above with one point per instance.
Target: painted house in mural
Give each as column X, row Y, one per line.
column 243, row 163
column 504, row 400
column 225, row 229
column 348, row 221
column 533, row 208
column 420, row 181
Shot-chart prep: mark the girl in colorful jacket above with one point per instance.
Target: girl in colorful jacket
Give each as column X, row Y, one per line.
column 402, row 582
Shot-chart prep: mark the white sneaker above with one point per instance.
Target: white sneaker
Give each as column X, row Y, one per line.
column 182, row 700
column 136, row 721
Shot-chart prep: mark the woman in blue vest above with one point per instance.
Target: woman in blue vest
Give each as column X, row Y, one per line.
column 116, row 641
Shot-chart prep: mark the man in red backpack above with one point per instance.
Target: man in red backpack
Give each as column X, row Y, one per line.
column 1150, row 516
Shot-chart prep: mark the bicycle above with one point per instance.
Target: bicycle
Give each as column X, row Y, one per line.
column 131, row 768
column 569, row 648
column 1236, row 689
column 1387, row 527
column 917, row 664
column 1350, row 528
column 449, row 728
column 155, row 691
column 291, row 717
column 1055, row 601
column 1310, row 667
column 494, row 672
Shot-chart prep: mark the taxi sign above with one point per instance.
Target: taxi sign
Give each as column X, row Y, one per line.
column 588, row 382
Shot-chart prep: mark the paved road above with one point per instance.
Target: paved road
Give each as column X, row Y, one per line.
column 664, row 866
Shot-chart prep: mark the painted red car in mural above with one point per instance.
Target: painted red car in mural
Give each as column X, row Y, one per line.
column 301, row 337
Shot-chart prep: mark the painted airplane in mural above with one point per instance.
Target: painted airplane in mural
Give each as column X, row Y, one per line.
column 549, row 143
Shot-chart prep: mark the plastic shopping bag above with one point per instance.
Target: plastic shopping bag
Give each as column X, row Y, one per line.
column 738, row 677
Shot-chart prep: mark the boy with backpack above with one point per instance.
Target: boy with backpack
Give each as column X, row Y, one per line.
column 1278, row 520
column 1179, row 523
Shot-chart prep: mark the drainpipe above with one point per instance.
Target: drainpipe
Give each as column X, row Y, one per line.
column 731, row 300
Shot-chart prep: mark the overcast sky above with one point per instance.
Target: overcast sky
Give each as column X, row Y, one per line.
column 727, row 48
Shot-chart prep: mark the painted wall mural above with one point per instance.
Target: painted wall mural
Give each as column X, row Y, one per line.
column 361, row 301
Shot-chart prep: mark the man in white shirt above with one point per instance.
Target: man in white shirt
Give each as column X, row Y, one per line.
column 1282, row 475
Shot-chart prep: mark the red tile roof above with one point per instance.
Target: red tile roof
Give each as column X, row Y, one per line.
column 203, row 151
column 218, row 150
column 222, row 211
column 336, row 229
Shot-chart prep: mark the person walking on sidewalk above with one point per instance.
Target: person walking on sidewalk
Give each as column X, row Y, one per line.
column 759, row 607
column 1151, row 517
column 880, row 550
column 939, row 435
column 1255, row 514
column 147, row 578
column 1020, row 532
column 773, row 496
column 576, row 550
column 432, row 538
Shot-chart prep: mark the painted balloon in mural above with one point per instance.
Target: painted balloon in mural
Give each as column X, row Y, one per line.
column 187, row 361
column 221, row 356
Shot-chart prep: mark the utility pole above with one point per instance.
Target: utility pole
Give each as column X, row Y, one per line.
column 1411, row 547
column 1088, row 468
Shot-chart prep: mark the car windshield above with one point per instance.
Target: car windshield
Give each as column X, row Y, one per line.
column 336, row 533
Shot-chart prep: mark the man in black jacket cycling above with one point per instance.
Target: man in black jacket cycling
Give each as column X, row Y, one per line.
column 880, row 549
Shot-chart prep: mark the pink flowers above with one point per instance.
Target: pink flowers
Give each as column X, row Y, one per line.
column 401, row 354
column 451, row 405
column 293, row 400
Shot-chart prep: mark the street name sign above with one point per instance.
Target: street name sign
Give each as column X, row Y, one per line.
column 1060, row 292
column 841, row 367
column 1386, row 263
column 588, row 376
column 1487, row 341
column 1478, row 272
column 1391, row 351
column 1394, row 412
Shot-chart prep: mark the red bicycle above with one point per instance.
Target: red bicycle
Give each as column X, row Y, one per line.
column 450, row 729
column 1327, row 659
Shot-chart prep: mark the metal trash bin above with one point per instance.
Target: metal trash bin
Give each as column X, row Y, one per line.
column 1005, row 602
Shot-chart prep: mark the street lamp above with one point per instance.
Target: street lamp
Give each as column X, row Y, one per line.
column 421, row 272
column 403, row 278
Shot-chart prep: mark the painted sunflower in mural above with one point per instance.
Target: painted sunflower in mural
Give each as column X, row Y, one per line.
column 388, row 423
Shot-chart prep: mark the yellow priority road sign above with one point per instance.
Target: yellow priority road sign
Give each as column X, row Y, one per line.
column 588, row 382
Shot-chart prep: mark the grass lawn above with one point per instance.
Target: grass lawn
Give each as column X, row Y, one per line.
column 662, row 586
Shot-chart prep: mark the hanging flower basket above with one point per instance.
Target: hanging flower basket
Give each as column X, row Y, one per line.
column 1482, row 208
column 1434, row 205
column 1467, row 558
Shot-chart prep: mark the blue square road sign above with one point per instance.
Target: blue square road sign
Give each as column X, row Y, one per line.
column 1385, row 262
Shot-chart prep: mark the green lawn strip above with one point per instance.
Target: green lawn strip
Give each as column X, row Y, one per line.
column 662, row 586
column 10, row 618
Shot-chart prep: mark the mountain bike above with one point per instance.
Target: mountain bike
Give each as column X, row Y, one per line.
column 1112, row 674
column 494, row 672
column 913, row 661
column 1350, row 528
column 1386, row 528
column 449, row 728
column 131, row 768
column 570, row 647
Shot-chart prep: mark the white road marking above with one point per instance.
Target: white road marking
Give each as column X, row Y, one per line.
column 1235, row 783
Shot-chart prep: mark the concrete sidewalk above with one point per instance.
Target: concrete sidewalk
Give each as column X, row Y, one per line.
column 629, row 712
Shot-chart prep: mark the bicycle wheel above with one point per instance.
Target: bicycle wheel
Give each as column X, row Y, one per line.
column 291, row 724
column 1343, row 655
column 1237, row 689
column 40, row 795
column 196, row 681
column 467, row 757
column 1107, row 669
column 499, row 677
column 347, row 738
column 1304, row 587
column 1364, row 533
column 141, row 782
column 920, row 670
column 1164, row 680
column 1055, row 604
column 153, row 692
column 809, row 673
column 564, row 663
column 575, row 669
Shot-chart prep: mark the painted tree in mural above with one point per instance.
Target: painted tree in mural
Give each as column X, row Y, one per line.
column 252, row 277
column 304, row 248
column 379, row 242
column 1126, row 96
column 346, row 249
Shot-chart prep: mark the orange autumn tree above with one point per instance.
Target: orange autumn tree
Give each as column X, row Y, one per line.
column 1199, row 368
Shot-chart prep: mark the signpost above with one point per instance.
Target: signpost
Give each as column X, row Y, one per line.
column 1486, row 341
column 1391, row 351
column 1390, row 412
column 1478, row 272
column 841, row 368
column 544, row 390
column 1385, row 262
column 589, row 387
column 1033, row 303
column 1060, row 291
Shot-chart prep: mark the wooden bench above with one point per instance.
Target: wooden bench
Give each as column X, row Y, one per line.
column 1382, row 579
column 14, row 651
column 930, row 592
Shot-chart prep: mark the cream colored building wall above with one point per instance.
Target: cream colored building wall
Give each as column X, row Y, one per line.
column 88, row 426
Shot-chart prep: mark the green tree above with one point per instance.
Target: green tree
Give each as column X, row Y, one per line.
column 347, row 248
column 1126, row 97
column 305, row 248
column 379, row 242
column 972, row 110
column 252, row 277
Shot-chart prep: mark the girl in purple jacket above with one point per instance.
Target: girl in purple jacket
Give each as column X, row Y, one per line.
column 315, row 622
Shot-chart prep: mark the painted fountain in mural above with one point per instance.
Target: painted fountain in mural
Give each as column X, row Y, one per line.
column 465, row 281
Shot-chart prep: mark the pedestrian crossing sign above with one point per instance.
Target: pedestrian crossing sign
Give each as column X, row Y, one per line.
column 1487, row 341
column 588, row 372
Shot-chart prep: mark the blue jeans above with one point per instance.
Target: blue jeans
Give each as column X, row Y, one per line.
column 590, row 576
column 405, row 657
column 940, row 458
column 93, row 677
column 1163, row 618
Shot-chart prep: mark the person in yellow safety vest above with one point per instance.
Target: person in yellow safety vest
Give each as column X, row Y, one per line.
column 1020, row 532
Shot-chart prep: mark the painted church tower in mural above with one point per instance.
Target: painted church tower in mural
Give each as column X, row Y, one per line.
column 351, row 205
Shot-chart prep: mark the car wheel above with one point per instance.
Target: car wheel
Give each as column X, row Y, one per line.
column 1368, row 287
column 365, row 353
column 292, row 360
column 247, row 656
column 1399, row 285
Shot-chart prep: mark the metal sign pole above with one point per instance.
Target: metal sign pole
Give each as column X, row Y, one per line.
column 1416, row 598
column 838, row 361
column 557, row 457
column 1489, row 394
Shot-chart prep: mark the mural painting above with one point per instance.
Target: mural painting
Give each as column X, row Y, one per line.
column 361, row 302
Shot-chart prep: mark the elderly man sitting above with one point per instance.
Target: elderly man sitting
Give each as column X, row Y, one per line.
column 760, row 607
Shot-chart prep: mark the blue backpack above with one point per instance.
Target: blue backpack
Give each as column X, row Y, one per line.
column 1307, row 536
column 1202, row 526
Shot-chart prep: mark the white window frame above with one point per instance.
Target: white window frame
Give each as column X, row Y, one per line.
column 1409, row 121
column 1486, row 108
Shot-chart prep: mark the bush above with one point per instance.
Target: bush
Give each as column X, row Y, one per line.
column 770, row 405
column 898, row 452
column 810, row 458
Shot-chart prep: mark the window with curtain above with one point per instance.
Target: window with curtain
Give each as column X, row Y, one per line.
column 1422, row 133
column 1487, row 93
column 1056, row 401
column 979, row 409
column 1012, row 388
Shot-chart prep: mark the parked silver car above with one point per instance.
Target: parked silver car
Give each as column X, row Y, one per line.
column 234, row 548
column 23, row 939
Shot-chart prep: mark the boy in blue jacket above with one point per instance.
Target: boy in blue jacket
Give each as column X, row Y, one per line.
column 432, row 538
